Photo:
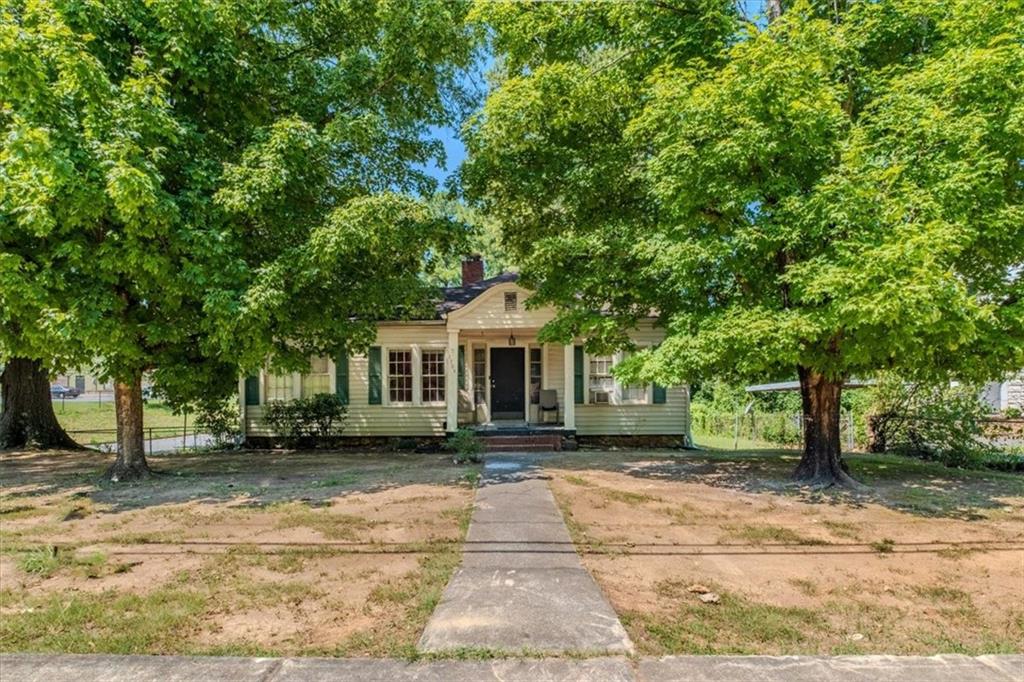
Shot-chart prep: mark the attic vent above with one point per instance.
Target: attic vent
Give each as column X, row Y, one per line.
column 511, row 301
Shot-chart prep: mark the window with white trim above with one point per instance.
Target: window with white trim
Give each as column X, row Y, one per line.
column 536, row 372
column 602, row 383
column 634, row 393
column 318, row 380
column 432, row 376
column 399, row 376
column 278, row 387
column 479, row 375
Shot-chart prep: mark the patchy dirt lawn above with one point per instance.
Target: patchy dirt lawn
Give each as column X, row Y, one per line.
column 239, row 553
column 928, row 560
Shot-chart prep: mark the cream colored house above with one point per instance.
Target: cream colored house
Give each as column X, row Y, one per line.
column 478, row 364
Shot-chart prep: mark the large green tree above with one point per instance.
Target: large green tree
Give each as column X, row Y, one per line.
column 830, row 192
column 482, row 237
column 197, row 187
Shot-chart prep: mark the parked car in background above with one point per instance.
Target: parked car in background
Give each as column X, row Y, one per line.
column 59, row 391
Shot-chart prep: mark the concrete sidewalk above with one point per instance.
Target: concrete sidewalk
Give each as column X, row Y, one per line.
column 521, row 586
column 101, row 668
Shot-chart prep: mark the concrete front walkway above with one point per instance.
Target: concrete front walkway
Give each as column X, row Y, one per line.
column 521, row 586
column 100, row 668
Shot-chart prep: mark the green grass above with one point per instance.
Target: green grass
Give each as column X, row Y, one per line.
column 332, row 526
column 626, row 497
column 808, row 587
column 335, row 481
column 943, row 594
column 45, row 561
column 80, row 622
column 10, row 509
column 884, row 546
column 729, row 443
column 760, row 533
column 405, row 604
column 90, row 419
column 41, row 561
column 462, row 516
column 843, row 529
column 735, row 625
column 741, row 625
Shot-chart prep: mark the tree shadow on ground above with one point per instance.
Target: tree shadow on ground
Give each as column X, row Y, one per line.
column 899, row 483
column 255, row 478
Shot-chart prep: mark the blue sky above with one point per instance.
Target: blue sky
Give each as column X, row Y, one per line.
column 474, row 80
column 454, row 150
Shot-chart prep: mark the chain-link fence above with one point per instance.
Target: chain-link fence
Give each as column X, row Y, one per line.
column 155, row 438
column 766, row 430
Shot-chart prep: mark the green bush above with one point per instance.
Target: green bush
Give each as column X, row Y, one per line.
column 466, row 446
column 940, row 422
column 222, row 421
column 1005, row 460
column 780, row 428
column 303, row 419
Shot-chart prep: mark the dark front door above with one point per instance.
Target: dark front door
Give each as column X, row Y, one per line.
column 508, row 380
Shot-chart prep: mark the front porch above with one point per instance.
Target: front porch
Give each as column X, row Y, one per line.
column 521, row 436
column 509, row 383
column 519, row 428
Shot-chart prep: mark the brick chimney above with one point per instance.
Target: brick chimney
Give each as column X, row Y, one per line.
column 472, row 269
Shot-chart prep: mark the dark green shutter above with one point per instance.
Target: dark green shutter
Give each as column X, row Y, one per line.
column 376, row 377
column 659, row 395
column 462, row 368
column 577, row 378
column 341, row 378
column 252, row 390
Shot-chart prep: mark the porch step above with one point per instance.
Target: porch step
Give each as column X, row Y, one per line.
column 533, row 447
column 530, row 443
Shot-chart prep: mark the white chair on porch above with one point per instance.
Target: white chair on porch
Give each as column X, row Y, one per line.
column 548, row 403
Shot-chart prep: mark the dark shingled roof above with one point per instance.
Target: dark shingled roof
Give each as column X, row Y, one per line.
column 456, row 297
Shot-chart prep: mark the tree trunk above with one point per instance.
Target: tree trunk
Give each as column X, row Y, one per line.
column 773, row 9
column 131, row 463
column 822, row 464
column 27, row 418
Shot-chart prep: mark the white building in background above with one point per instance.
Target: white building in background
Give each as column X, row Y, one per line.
column 1006, row 394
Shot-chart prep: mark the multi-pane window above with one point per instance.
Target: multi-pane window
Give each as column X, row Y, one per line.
column 400, row 376
column 318, row 380
column 279, row 387
column 536, row 370
column 634, row 393
column 432, row 371
column 511, row 301
column 602, row 383
column 479, row 376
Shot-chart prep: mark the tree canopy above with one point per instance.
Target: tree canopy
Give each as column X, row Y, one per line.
column 832, row 193
column 195, row 187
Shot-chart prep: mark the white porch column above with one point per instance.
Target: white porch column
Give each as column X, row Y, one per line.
column 451, row 381
column 242, row 407
column 569, row 399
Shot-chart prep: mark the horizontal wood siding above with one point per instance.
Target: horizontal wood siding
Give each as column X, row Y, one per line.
column 636, row 420
column 488, row 312
column 363, row 419
column 667, row 419
column 380, row 420
column 555, row 359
